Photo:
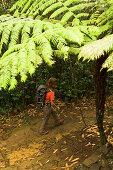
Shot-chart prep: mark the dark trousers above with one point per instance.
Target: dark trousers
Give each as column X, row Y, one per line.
column 47, row 112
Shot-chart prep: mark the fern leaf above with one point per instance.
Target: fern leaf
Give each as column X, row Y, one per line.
column 12, row 49
column 66, row 17
column 18, row 4
column 3, row 17
column 70, row 34
column 55, row 39
column 52, row 7
column 15, row 34
column 37, row 28
column 58, row 12
column 26, row 6
column 81, row 7
column 108, row 62
column 46, row 5
column 23, row 67
column 70, row 2
column 97, row 48
column 33, row 58
column 5, row 35
column 45, row 48
column 26, row 32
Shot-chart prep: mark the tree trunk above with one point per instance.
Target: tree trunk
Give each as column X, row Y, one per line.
column 100, row 94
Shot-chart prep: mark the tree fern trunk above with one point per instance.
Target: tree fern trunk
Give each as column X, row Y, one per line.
column 100, row 88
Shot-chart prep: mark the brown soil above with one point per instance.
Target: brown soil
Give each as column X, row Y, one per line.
column 22, row 147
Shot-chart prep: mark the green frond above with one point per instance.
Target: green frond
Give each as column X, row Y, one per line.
column 12, row 49
column 46, row 5
column 58, row 12
column 97, row 48
column 26, row 6
column 82, row 15
column 33, row 58
column 23, row 65
column 3, row 17
column 70, row 2
column 26, row 32
column 37, row 28
column 66, row 17
column 1, row 29
column 52, row 7
column 18, row 4
column 81, row 7
column 15, row 34
column 55, row 39
column 70, row 34
column 45, row 48
column 108, row 62
column 5, row 35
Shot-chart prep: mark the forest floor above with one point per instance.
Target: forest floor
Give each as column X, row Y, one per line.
column 66, row 146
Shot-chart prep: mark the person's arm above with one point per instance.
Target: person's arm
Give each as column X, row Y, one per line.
column 53, row 104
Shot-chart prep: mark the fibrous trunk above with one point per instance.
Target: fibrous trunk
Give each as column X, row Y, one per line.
column 100, row 89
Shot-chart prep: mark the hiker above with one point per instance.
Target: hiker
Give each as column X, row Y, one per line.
column 49, row 107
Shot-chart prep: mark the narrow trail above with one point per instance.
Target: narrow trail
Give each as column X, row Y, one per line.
column 64, row 146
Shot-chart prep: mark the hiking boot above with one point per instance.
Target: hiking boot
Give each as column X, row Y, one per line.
column 60, row 122
column 44, row 132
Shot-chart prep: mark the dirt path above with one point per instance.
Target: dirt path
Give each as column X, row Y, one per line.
column 63, row 148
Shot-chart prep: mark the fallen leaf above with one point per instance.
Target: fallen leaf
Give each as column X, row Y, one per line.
column 71, row 158
column 88, row 144
column 55, row 150
column 63, row 149
column 66, row 158
column 75, row 160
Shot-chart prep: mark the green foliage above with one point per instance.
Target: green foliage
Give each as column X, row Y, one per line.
column 97, row 48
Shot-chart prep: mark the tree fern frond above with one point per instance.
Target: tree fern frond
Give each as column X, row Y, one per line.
column 37, row 28
column 97, row 48
column 33, row 57
column 12, row 49
column 23, row 65
column 70, row 2
column 81, row 7
column 108, row 62
column 1, row 29
column 70, row 34
column 26, row 32
column 18, row 4
column 82, row 15
column 5, row 35
column 66, row 17
column 3, row 17
column 46, row 5
column 52, row 7
column 58, row 12
column 15, row 34
column 55, row 39
column 26, row 6
column 45, row 48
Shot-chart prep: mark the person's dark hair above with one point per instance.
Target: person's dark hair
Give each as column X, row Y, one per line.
column 51, row 83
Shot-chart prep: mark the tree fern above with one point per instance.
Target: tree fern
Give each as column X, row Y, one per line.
column 97, row 48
